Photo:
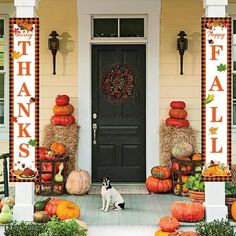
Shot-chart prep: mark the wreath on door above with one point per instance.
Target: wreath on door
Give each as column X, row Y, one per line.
column 118, row 83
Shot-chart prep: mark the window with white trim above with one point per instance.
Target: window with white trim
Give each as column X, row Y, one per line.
column 4, row 99
column 132, row 26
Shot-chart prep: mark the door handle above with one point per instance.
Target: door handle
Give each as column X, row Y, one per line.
column 94, row 133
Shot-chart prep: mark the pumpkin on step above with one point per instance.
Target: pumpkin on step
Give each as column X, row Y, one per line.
column 178, row 113
column 51, row 206
column 186, row 233
column 187, row 211
column 67, row 210
column 157, row 185
column 161, row 172
column 161, row 233
column 168, row 224
column 78, row 182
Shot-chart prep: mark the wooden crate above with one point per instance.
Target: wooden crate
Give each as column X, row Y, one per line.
column 178, row 175
column 47, row 188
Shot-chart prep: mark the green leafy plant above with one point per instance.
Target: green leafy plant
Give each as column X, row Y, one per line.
column 195, row 183
column 230, row 188
column 215, row 228
column 24, row 229
column 54, row 227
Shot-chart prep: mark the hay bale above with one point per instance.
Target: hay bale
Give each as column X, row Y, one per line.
column 233, row 173
column 169, row 136
column 68, row 135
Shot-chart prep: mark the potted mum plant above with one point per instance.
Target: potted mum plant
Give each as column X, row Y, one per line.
column 196, row 188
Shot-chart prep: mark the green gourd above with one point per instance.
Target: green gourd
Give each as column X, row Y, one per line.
column 40, row 205
column 58, row 177
column 6, row 216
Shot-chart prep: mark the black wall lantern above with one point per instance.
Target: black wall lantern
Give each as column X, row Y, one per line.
column 182, row 45
column 53, row 45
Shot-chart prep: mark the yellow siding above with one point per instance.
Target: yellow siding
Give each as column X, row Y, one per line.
column 172, row 85
column 64, row 21
column 188, row 86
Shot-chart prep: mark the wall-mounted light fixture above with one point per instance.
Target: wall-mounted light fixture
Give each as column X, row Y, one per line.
column 53, row 45
column 182, row 45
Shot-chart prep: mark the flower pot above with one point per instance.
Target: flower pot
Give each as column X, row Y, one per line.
column 197, row 196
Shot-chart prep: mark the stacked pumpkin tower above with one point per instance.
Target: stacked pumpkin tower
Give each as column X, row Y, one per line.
column 59, row 147
column 177, row 115
column 160, row 180
column 63, row 111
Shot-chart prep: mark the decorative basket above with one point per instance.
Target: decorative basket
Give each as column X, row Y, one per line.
column 51, row 187
column 178, row 175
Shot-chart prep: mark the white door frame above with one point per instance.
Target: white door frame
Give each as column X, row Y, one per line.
column 87, row 8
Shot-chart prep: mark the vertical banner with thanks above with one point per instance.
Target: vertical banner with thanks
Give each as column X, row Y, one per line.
column 24, row 99
column 216, row 99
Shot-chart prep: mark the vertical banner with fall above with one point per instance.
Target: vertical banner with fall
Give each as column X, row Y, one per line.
column 216, row 99
column 24, row 99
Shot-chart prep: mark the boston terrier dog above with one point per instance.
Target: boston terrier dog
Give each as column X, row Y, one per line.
column 110, row 196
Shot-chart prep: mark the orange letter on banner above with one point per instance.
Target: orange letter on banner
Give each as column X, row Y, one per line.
column 214, row 51
column 214, row 146
column 24, row 150
column 27, row 68
column 214, row 115
column 22, row 130
column 25, row 90
column 23, row 108
column 216, row 82
column 24, row 46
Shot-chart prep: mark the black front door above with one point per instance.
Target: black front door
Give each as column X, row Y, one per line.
column 118, row 117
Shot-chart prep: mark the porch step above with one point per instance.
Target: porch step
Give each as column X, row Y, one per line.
column 126, row 230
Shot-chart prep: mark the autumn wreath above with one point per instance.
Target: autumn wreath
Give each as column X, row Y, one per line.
column 118, row 83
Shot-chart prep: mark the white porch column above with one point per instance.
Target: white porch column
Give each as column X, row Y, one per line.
column 215, row 191
column 24, row 192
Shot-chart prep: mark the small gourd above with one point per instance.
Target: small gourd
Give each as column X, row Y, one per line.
column 6, row 216
column 58, row 177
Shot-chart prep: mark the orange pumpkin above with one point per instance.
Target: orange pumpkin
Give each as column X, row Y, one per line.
column 168, row 224
column 181, row 123
column 161, row 233
column 187, row 211
column 197, row 157
column 63, row 110
column 161, row 172
column 233, row 210
column 58, row 148
column 178, row 104
column 62, row 120
column 186, row 233
column 157, row 185
column 67, row 210
column 178, row 113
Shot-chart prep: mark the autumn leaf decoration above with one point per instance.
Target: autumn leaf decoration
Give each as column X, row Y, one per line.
column 213, row 130
column 15, row 55
column 221, row 67
column 32, row 142
column 209, row 98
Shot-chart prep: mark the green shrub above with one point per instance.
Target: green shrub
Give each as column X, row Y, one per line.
column 215, row 228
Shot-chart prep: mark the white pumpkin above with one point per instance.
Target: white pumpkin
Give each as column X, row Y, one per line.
column 78, row 182
column 182, row 149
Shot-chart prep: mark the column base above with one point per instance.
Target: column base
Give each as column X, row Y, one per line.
column 215, row 212
column 23, row 212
